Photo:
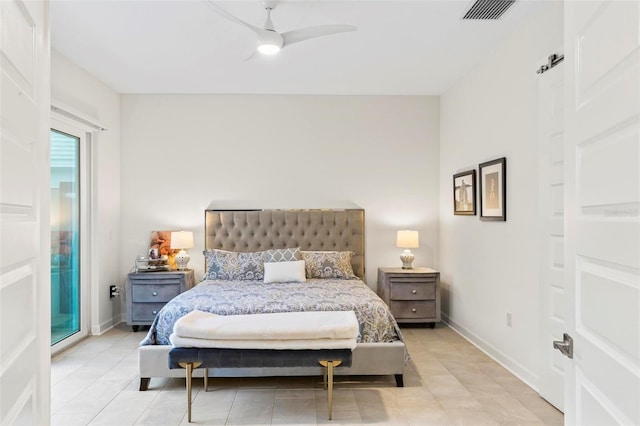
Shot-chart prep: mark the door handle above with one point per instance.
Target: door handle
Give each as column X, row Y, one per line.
column 565, row 346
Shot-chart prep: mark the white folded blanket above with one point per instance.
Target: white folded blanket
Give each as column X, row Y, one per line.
column 275, row 326
column 187, row 342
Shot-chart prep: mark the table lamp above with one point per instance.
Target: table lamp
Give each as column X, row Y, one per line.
column 181, row 240
column 407, row 240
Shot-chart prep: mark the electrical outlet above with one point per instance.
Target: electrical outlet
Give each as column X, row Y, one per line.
column 508, row 319
column 113, row 292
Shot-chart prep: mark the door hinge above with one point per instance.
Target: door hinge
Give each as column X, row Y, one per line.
column 565, row 346
column 552, row 61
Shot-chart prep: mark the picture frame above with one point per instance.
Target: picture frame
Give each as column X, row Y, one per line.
column 160, row 245
column 464, row 193
column 493, row 190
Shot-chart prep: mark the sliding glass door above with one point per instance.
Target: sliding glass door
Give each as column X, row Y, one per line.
column 66, row 288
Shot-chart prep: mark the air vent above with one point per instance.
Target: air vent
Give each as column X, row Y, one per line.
column 488, row 9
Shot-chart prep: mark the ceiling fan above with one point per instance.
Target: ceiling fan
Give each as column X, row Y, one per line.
column 270, row 41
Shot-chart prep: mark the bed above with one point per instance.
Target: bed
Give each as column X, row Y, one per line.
column 380, row 349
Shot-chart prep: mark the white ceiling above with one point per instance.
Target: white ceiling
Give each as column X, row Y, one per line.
column 154, row 46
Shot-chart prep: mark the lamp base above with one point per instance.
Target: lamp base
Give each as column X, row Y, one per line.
column 182, row 260
column 407, row 258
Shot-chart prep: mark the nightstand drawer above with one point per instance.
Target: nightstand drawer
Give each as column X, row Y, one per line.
column 414, row 278
column 146, row 311
column 155, row 278
column 154, row 292
column 412, row 291
column 411, row 310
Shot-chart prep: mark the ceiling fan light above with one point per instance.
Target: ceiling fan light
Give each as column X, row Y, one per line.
column 268, row 48
column 270, row 42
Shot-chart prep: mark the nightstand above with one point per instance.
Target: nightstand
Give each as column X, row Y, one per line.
column 413, row 295
column 148, row 292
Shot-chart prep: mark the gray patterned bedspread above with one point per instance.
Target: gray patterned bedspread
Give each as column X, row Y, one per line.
column 251, row 297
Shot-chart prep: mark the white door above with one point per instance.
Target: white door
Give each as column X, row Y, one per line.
column 24, row 212
column 551, row 186
column 602, row 210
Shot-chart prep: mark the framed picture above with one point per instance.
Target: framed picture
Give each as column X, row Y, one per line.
column 464, row 193
column 493, row 190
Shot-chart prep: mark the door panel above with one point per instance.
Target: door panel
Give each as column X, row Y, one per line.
column 615, row 292
column 19, row 46
column 24, row 289
column 603, row 211
column 14, row 155
column 551, row 184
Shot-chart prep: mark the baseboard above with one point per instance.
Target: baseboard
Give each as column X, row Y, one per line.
column 521, row 372
column 105, row 326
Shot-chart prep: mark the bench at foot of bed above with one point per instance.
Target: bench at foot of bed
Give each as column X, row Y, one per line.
column 144, row 381
column 369, row 359
column 192, row 358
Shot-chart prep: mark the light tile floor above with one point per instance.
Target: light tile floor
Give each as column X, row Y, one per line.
column 448, row 382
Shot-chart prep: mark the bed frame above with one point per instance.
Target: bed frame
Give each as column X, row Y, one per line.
column 254, row 230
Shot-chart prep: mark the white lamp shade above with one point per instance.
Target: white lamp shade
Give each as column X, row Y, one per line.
column 407, row 239
column 181, row 240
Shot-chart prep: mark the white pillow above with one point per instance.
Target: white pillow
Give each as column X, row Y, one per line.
column 283, row 272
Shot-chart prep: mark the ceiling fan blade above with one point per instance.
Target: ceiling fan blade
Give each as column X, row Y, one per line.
column 220, row 11
column 302, row 34
column 252, row 56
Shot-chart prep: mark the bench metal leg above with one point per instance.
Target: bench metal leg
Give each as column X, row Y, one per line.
column 206, row 380
column 324, row 378
column 189, row 366
column 329, row 365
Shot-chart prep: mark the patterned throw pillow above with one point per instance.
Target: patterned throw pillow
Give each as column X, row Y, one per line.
column 283, row 255
column 231, row 265
column 328, row 264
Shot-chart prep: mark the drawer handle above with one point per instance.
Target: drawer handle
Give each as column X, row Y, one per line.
column 414, row 291
column 154, row 312
column 413, row 310
column 155, row 293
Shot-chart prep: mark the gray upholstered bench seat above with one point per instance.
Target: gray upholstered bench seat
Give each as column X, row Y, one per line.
column 190, row 358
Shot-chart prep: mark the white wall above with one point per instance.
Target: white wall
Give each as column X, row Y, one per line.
column 181, row 153
column 491, row 268
column 79, row 90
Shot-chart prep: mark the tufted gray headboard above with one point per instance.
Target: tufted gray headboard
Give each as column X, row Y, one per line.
column 255, row 230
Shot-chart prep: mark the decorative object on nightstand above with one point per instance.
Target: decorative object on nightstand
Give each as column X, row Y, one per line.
column 413, row 295
column 179, row 241
column 407, row 240
column 148, row 292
